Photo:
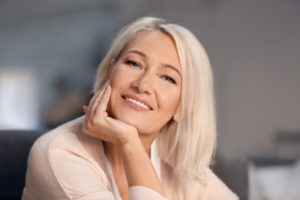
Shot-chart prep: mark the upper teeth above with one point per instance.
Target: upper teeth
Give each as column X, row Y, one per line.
column 137, row 103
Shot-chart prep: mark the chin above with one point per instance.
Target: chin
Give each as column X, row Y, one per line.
column 139, row 124
column 129, row 120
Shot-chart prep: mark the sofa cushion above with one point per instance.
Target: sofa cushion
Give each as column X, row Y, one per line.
column 14, row 149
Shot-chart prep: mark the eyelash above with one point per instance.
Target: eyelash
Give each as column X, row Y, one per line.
column 170, row 79
column 136, row 64
column 133, row 63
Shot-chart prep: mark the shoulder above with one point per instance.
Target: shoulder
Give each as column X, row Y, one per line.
column 67, row 138
column 216, row 189
column 66, row 162
column 62, row 135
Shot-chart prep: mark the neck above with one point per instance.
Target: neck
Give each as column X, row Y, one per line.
column 147, row 144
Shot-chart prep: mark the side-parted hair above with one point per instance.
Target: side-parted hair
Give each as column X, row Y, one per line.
column 186, row 145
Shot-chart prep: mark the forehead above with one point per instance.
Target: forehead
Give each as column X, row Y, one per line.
column 155, row 44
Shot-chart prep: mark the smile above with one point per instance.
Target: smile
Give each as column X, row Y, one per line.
column 138, row 103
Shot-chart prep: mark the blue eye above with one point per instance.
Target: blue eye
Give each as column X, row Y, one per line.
column 169, row 79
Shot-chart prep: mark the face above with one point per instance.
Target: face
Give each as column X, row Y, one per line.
column 146, row 82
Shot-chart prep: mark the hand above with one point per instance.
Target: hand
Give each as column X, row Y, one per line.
column 99, row 125
column 137, row 164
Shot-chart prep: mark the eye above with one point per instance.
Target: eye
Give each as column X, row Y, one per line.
column 133, row 63
column 169, row 79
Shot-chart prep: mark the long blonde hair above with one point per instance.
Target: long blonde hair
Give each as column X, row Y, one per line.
column 186, row 145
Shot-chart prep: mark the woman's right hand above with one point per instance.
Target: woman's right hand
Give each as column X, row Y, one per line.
column 138, row 167
column 100, row 125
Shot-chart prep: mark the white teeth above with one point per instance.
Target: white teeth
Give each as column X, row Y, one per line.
column 138, row 103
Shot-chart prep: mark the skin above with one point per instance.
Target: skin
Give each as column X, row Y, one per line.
column 148, row 70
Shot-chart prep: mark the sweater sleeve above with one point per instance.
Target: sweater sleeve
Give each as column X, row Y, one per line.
column 140, row 192
column 64, row 171
column 79, row 179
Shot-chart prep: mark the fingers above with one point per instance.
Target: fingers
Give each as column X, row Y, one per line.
column 85, row 109
column 96, row 112
column 99, row 125
column 94, row 102
column 102, row 105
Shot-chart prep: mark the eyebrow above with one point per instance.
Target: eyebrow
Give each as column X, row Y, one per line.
column 173, row 68
column 165, row 65
column 138, row 52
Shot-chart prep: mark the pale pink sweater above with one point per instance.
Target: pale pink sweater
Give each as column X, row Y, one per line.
column 65, row 164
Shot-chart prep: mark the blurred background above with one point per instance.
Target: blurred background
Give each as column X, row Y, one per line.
column 50, row 50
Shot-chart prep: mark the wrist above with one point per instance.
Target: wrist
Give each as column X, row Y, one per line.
column 132, row 144
column 131, row 136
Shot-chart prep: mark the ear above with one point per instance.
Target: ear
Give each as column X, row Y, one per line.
column 177, row 114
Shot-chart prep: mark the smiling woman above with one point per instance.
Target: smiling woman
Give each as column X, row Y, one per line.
column 148, row 132
column 143, row 80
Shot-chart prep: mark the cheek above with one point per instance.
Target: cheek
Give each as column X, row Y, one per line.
column 120, row 76
column 170, row 100
column 116, row 81
column 114, row 75
column 119, row 80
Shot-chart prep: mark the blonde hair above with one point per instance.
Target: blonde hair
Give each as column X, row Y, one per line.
column 187, row 144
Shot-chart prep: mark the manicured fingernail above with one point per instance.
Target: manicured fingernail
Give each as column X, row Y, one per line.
column 107, row 84
column 104, row 86
column 85, row 109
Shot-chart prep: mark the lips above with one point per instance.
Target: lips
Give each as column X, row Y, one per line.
column 137, row 101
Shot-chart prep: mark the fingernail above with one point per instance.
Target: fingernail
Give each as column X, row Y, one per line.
column 84, row 109
column 104, row 86
column 107, row 84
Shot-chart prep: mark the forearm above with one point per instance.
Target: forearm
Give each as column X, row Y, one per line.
column 138, row 167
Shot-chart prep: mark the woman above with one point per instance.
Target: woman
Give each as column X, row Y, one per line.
column 149, row 131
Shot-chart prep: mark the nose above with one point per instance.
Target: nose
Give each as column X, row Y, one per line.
column 144, row 83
